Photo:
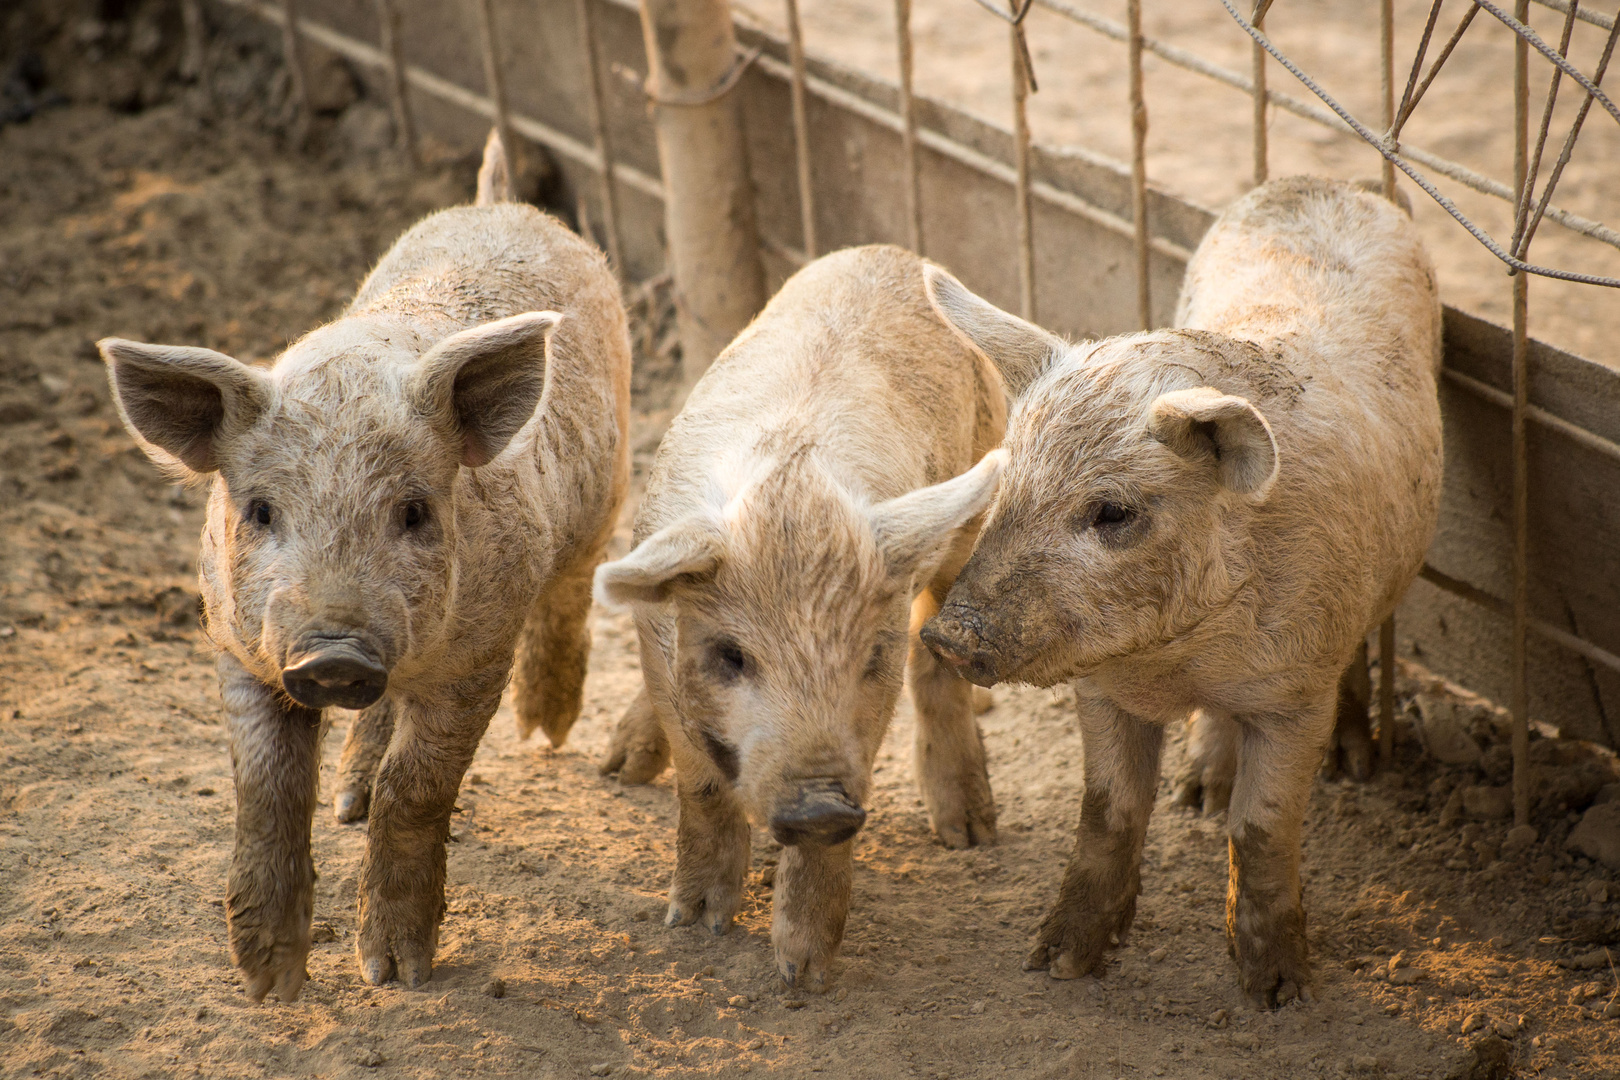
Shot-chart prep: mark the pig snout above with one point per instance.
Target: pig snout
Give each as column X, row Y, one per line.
column 344, row 672
column 958, row 636
column 822, row 815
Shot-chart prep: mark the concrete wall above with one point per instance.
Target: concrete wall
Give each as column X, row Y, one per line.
column 1085, row 286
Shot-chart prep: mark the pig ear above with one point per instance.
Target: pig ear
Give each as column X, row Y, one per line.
column 645, row 575
column 1021, row 351
column 1203, row 423
column 483, row 384
column 914, row 530
column 181, row 402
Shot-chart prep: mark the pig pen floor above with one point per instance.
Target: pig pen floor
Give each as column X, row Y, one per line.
column 116, row 798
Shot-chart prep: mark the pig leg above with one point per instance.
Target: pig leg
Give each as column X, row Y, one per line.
column 1097, row 901
column 402, row 873
column 1265, row 921
column 548, row 679
column 1205, row 780
column 809, row 909
column 363, row 751
column 1351, row 749
column 949, row 749
column 639, row 751
column 270, row 890
column 711, row 844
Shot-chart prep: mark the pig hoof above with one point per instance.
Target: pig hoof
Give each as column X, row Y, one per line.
column 287, row 983
column 377, row 970
column 639, row 751
column 351, row 805
column 636, row 764
column 806, row 974
column 718, row 911
column 1274, row 970
column 414, row 971
column 1204, row 790
column 1351, row 754
column 1075, row 944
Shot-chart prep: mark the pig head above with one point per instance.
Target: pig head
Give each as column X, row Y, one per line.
column 1123, row 513
column 329, row 555
column 781, row 621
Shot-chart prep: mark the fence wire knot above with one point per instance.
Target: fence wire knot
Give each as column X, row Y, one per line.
column 723, row 86
column 1014, row 16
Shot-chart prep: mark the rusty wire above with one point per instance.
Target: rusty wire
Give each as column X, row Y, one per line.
column 1519, row 692
column 495, row 85
column 801, row 130
column 908, row 131
column 393, row 48
column 606, row 189
column 1139, row 127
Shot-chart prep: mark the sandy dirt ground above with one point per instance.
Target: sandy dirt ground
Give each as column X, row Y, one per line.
column 1437, row 955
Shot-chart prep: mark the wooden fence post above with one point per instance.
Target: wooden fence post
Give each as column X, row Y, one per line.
column 708, row 197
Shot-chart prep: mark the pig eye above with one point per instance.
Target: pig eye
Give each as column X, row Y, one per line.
column 729, row 659
column 416, row 514
column 258, row 512
column 1110, row 513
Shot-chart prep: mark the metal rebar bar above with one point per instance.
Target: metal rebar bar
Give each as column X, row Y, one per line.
column 1417, row 67
column 393, row 47
column 298, row 75
column 1523, row 31
column 495, row 85
column 1258, row 101
column 607, row 190
column 801, row 130
column 1386, row 630
column 1521, row 217
column 1519, row 703
column 908, row 133
column 1569, row 140
column 1427, row 186
column 1607, row 22
column 1139, row 127
column 1024, row 210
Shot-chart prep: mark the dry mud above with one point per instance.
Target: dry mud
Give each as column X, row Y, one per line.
column 116, row 802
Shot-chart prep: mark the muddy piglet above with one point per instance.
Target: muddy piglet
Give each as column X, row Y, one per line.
column 819, row 479
column 408, row 495
column 1207, row 521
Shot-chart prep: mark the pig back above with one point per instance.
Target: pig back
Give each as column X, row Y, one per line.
column 1335, row 288
column 849, row 361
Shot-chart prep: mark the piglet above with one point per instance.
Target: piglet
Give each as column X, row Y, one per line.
column 807, row 510
column 405, row 498
column 1208, row 521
